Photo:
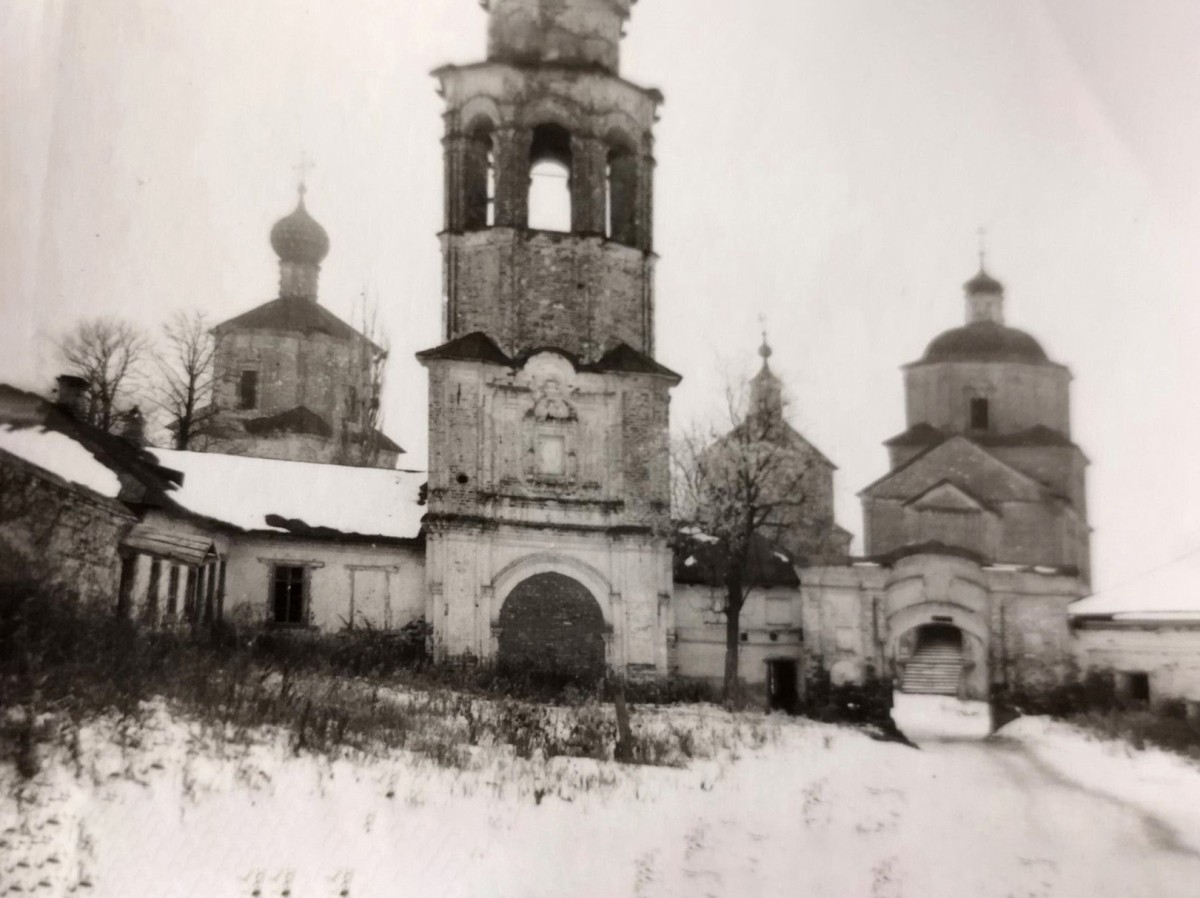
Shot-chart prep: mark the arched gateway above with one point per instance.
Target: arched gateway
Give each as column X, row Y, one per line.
column 552, row 623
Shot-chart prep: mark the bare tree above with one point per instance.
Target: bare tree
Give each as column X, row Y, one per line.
column 108, row 353
column 363, row 441
column 184, row 388
column 733, row 487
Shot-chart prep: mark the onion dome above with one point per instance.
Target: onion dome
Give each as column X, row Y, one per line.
column 985, row 341
column 983, row 283
column 299, row 237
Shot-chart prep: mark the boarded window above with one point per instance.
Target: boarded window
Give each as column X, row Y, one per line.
column 248, row 390
column 370, row 593
column 552, row 455
column 779, row 611
column 288, row 594
column 847, row 639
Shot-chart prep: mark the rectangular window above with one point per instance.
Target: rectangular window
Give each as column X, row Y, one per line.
column 248, row 390
column 288, row 594
column 552, row 456
column 1139, row 686
column 979, row 414
column 779, row 611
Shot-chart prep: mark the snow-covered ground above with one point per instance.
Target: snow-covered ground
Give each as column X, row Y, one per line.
column 782, row 807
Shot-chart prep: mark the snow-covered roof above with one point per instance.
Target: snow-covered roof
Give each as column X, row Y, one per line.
column 1170, row 592
column 59, row 454
column 297, row 496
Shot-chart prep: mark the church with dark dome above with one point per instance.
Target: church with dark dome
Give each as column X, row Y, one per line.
column 976, row 541
column 987, row 462
column 293, row 380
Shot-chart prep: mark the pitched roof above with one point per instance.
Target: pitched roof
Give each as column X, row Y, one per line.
column 382, row 441
column 168, row 544
column 479, row 347
column 474, row 347
column 699, row 558
column 54, row 439
column 624, row 357
column 294, row 315
column 301, row 498
column 297, row 420
column 990, row 478
column 927, row 435
column 789, row 437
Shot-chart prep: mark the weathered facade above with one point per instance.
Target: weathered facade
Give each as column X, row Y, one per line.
column 979, row 533
column 987, row 462
column 549, row 505
column 292, row 380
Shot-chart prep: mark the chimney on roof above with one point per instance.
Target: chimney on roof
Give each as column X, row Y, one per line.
column 71, row 395
column 133, row 427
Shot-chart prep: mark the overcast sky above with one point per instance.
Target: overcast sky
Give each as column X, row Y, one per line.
column 824, row 164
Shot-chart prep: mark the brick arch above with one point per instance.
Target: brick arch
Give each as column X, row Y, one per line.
column 551, row 623
column 508, row 577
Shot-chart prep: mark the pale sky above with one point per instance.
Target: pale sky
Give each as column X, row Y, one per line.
column 824, row 164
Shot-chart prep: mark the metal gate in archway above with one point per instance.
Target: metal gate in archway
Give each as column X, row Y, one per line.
column 551, row 623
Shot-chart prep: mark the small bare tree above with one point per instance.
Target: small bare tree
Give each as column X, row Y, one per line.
column 184, row 388
column 108, row 353
column 363, row 444
column 732, row 488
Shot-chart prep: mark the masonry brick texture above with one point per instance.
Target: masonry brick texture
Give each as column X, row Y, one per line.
column 59, row 533
column 530, row 289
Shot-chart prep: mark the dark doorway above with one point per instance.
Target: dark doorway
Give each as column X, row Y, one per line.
column 551, row 624
column 935, row 667
column 782, row 694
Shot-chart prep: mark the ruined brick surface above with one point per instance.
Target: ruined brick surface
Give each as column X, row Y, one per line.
column 530, row 289
column 551, row 622
column 60, row 533
column 317, row 371
column 565, row 32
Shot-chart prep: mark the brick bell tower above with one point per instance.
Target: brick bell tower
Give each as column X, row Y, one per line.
column 549, row 504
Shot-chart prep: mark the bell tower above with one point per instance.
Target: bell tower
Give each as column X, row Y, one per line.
column 549, row 104
column 549, row 501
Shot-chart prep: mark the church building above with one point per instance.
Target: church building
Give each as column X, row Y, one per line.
column 541, row 535
column 292, row 380
column 976, row 541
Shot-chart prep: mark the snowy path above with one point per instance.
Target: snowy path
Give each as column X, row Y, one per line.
column 818, row 811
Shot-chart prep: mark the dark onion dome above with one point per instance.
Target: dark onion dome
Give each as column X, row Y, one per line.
column 983, row 283
column 985, row 341
column 299, row 238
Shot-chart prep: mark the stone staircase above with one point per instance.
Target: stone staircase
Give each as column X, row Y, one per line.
column 935, row 667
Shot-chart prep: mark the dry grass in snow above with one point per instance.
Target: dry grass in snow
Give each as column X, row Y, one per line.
column 765, row 806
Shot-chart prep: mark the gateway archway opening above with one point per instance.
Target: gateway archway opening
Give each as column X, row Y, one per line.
column 936, row 664
column 550, row 624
